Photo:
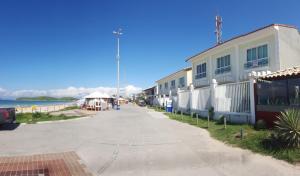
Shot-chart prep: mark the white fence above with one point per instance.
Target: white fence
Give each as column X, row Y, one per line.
column 233, row 97
column 200, row 99
column 232, row 100
column 184, row 100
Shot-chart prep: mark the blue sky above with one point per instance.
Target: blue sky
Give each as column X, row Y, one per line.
column 53, row 44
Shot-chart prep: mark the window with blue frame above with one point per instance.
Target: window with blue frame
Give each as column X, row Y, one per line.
column 173, row 84
column 257, row 57
column 181, row 82
column 166, row 85
column 223, row 64
column 201, row 71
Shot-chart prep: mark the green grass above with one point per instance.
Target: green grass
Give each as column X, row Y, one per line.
column 159, row 109
column 39, row 117
column 258, row 141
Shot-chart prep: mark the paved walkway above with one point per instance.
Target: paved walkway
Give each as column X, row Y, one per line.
column 137, row 141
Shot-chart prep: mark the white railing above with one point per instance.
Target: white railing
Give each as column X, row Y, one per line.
column 257, row 63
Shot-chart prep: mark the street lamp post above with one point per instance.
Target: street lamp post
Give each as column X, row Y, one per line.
column 118, row 33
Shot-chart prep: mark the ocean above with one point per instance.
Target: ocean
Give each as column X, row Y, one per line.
column 20, row 103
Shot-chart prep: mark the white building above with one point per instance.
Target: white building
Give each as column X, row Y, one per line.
column 270, row 48
column 181, row 79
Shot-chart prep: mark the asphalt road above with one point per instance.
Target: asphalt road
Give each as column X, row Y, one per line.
column 138, row 141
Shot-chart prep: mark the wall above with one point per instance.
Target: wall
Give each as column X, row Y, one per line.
column 270, row 41
column 237, row 49
column 232, row 100
column 289, row 47
column 187, row 77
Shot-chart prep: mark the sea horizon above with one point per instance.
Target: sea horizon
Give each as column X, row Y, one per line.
column 28, row 103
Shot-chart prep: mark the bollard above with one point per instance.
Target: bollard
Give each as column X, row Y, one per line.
column 242, row 133
column 181, row 115
column 224, row 122
column 208, row 121
column 197, row 116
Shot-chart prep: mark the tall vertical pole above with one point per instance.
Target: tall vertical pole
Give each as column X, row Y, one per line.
column 118, row 33
column 118, row 76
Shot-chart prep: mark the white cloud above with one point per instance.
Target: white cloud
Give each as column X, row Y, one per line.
column 68, row 92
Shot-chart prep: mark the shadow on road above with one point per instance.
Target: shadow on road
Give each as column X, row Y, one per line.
column 9, row 126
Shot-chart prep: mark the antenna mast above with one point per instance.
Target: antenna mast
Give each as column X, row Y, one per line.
column 218, row 31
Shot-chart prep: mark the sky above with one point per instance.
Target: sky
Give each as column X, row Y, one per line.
column 52, row 45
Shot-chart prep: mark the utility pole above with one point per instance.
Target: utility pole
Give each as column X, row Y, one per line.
column 118, row 33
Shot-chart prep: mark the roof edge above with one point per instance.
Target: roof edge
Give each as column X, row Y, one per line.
column 241, row 35
column 184, row 69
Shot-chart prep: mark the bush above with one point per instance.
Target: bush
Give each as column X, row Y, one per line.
column 36, row 115
column 260, row 124
column 211, row 112
column 221, row 119
column 287, row 127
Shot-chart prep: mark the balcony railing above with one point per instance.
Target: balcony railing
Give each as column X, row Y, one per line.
column 181, row 85
column 223, row 70
column 200, row 75
column 257, row 63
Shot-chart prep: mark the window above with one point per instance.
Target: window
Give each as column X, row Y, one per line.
column 223, row 64
column 160, row 87
column 166, row 85
column 282, row 92
column 294, row 91
column 272, row 93
column 257, row 57
column 181, row 82
column 201, row 71
column 173, row 84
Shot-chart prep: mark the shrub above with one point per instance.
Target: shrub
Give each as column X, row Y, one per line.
column 36, row 115
column 211, row 112
column 221, row 119
column 287, row 127
column 260, row 124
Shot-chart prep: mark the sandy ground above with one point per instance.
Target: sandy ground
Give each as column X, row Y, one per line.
column 50, row 108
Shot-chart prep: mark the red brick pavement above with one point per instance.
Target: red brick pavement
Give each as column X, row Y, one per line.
column 54, row 164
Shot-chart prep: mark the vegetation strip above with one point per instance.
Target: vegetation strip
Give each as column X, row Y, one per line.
column 40, row 117
column 240, row 135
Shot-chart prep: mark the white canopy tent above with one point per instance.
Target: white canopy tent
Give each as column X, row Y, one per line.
column 97, row 101
column 98, row 95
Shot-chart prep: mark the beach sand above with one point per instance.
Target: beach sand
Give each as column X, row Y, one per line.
column 49, row 108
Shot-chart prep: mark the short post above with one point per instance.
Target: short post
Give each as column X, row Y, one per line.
column 208, row 121
column 242, row 133
column 224, row 122
column 181, row 115
column 197, row 116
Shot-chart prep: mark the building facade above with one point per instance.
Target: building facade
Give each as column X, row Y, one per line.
column 268, row 49
column 170, row 84
column 149, row 94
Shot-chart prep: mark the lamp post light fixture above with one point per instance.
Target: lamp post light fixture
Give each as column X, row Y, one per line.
column 118, row 33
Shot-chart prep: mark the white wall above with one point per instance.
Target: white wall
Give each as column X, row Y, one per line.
column 289, row 47
column 237, row 49
column 183, row 73
column 272, row 66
